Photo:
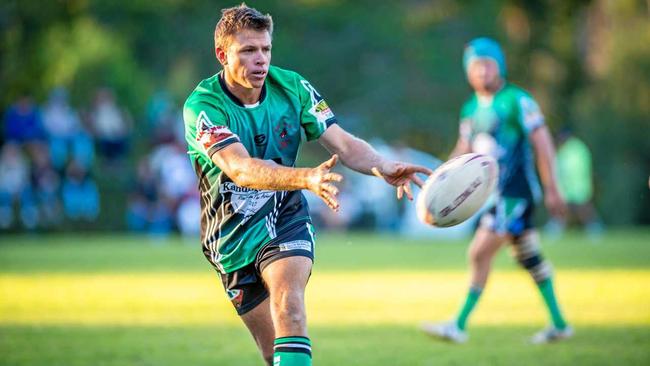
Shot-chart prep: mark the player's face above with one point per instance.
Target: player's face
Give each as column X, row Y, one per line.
column 247, row 59
column 483, row 75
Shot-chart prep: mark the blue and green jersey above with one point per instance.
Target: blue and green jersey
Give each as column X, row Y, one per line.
column 499, row 126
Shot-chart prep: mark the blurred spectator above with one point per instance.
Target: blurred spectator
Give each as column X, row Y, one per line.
column 173, row 171
column 22, row 122
column 574, row 171
column 46, row 186
column 15, row 188
column 80, row 193
column 188, row 215
column 143, row 197
column 164, row 196
column 165, row 119
column 67, row 138
column 111, row 127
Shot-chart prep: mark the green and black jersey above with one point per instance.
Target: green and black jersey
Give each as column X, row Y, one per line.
column 237, row 221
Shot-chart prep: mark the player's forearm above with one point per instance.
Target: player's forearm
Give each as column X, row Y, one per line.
column 462, row 147
column 265, row 174
column 545, row 157
column 359, row 156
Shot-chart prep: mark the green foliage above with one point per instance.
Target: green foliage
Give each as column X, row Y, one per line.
column 380, row 65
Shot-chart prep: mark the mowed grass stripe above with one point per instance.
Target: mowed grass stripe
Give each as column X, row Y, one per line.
column 352, row 252
column 590, row 297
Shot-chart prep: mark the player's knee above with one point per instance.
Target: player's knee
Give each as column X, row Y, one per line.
column 526, row 250
column 478, row 255
column 290, row 310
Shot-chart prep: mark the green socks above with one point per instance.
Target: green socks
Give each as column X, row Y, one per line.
column 546, row 289
column 472, row 298
column 292, row 351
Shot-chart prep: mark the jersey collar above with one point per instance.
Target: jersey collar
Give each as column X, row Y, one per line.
column 224, row 87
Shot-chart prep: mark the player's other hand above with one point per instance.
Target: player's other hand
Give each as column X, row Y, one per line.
column 554, row 203
column 401, row 175
column 320, row 181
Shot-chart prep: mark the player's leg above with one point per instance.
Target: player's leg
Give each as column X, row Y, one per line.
column 248, row 294
column 286, row 279
column 259, row 323
column 586, row 213
column 480, row 254
column 526, row 249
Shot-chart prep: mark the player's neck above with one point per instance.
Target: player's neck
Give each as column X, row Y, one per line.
column 489, row 92
column 245, row 95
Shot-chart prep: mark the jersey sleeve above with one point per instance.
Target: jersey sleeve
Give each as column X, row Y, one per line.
column 315, row 116
column 530, row 115
column 206, row 130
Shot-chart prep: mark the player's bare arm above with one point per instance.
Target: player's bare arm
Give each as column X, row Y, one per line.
column 462, row 147
column 545, row 159
column 253, row 173
column 358, row 155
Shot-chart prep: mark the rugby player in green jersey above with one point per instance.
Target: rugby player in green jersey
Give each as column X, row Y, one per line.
column 243, row 128
column 504, row 121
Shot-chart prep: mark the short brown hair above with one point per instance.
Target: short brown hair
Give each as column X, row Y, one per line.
column 237, row 18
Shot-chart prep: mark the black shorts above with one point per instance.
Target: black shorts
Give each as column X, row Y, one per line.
column 245, row 287
column 509, row 216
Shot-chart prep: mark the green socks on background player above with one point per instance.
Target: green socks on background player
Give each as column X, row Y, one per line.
column 292, row 351
column 548, row 293
column 472, row 298
column 545, row 288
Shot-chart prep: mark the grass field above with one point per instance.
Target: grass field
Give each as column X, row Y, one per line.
column 123, row 300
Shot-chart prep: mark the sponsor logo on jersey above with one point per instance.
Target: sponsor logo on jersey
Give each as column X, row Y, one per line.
column 319, row 108
column 295, row 245
column 236, row 296
column 245, row 201
column 260, row 139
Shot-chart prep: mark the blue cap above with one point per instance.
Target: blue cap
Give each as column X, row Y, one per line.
column 484, row 47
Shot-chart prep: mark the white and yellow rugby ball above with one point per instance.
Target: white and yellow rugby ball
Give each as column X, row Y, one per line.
column 457, row 189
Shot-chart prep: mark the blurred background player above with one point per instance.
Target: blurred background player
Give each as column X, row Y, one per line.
column 574, row 175
column 504, row 121
column 243, row 130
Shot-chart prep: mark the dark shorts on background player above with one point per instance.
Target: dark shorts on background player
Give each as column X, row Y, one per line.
column 245, row 287
column 509, row 215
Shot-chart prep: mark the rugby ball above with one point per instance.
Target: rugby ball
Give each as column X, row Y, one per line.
column 457, row 189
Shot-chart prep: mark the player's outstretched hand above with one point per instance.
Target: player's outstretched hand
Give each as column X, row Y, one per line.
column 554, row 203
column 401, row 175
column 320, row 181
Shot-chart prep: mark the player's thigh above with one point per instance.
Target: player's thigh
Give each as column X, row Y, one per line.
column 286, row 280
column 485, row 244
column 248, row 294
column 287, row 275
column 285, row 263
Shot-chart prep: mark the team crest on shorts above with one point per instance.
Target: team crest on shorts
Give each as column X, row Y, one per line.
column 236, row 296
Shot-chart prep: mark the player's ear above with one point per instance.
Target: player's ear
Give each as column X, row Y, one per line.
column 221, row 55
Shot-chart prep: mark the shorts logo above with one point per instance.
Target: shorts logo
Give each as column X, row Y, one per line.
column 295, row 245
column 236, row 296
